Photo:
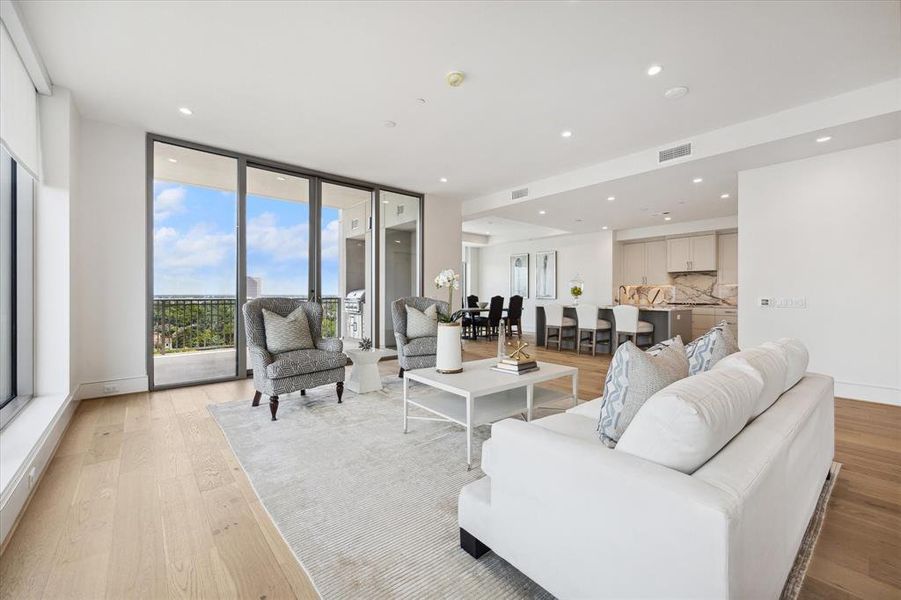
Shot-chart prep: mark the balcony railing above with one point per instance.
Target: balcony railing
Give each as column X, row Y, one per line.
column 188, row 324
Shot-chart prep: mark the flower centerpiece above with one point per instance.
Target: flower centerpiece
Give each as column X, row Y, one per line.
column 575, row 288
column 449, row 353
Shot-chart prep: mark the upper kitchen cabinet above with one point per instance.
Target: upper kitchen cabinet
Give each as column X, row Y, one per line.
column 696, row 253
column 727, row 258
column 644, row 263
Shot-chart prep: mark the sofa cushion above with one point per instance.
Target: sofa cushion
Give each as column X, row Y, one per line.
column 422, row 323
column 710, row 348
column 424, row 346
column 772, row 365
column 633, row 377
column 300, row 362
column 592, row 408
column 796, row 357
column 686, row 423
column 284, row 334
column 572, row 425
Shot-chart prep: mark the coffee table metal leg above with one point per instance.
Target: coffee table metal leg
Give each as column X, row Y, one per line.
column 468, row 432
column 529, row 396
column 405, row 405
column 576, row 388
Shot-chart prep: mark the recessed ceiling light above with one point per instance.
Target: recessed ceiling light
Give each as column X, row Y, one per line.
column 280, row 178
column 186, row 111
column 676, row 92
column 697, row 180
column 825, row 138
column 654, row 70
column 567, row 133
column 542, row 212
column 172, row 160
column 443, row 180
column 384, row 202
column 611, row 198
column 667, row 218
column 487, row 233
column 724, row 196
column 604, row 228
column 390, row 124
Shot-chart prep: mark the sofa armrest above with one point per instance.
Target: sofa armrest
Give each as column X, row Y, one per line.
column 604, row 517
column 330, row 344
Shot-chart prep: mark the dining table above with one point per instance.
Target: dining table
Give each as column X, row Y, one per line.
column 474, row 312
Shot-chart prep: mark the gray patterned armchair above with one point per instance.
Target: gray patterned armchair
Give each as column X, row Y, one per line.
column 418, row 353
column 276, row 374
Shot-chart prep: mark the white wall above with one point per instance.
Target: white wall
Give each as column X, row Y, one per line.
column 108, row 258
column 443, row 236
column 588, row 255
column 827, row 229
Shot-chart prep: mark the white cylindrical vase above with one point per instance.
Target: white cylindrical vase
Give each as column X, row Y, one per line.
column 449, row 357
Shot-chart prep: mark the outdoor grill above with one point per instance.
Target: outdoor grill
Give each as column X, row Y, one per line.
column 353, row 302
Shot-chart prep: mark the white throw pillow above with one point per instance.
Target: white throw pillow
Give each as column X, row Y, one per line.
column 770, row 362
column 689, row 421
column 422, row 323
column 797, row 358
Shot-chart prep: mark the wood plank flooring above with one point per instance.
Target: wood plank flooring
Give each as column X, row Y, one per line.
column 144, row 499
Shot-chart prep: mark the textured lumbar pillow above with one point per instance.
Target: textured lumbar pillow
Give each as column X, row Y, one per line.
column 685, row 424
column 710, row 348
column 422, row 323
column 633, row 377
column 284, row 334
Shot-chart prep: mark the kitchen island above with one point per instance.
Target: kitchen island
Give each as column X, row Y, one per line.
column 668, row 321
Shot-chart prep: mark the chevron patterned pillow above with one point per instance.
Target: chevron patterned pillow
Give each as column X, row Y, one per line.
column 710, row 348
column 284, row 334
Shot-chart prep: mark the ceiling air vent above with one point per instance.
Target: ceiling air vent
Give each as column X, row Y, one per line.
column 520, row 193
column 674, row 153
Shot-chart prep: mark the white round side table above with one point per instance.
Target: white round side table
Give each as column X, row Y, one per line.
column 364, row 375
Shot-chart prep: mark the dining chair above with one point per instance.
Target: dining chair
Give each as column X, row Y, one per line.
column 495, row 315
column 514, row 316
column 626, row 320
column 472, row 301
column 589, row 327
column 556, row 324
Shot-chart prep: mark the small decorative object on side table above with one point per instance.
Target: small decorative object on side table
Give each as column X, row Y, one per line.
column 366, row 343
column 449, row 354
column 575, row 288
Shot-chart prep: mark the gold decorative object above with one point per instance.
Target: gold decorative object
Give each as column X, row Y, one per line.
column 519, row 351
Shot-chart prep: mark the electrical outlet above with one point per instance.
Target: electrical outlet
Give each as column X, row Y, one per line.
column 110, row 388
column 765, row 301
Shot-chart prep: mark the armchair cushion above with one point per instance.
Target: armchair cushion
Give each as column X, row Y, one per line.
column 422, row 323
column 423, row 346
column 301, row 362
column 284, row 334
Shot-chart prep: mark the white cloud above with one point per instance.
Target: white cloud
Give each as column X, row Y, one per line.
column 282, row 243
column 199, row 247
column 168, row 202
column 330, row 240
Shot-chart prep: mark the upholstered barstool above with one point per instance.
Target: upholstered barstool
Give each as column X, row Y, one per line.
column 627, row 323
column 556, row 323
column 589, row 327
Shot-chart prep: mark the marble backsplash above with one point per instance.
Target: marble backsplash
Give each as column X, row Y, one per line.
column 687, row 288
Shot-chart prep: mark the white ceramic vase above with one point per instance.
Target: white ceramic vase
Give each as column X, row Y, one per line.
column 449, row 358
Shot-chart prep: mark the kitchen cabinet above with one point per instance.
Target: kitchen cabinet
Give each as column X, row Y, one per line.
column 644, row 263
column 695, row 253
column 705, row 317
column 727, row 258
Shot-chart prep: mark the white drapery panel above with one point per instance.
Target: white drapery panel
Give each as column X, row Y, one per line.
column 18, row 106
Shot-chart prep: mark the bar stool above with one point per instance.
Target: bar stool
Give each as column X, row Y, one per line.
column 590, row 325
column 554, row 319
column 627, row 323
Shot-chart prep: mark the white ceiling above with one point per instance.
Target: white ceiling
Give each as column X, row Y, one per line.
column 312, row 83
column 499, row 229
column 641, row 199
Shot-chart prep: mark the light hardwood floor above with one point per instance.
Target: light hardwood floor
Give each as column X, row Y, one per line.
column 144, row 499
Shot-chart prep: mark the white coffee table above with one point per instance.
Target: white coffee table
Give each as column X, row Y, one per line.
column 479, row 395
column 364, row 375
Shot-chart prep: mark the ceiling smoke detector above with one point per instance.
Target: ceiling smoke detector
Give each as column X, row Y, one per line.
column 455, row 78
column 676, row 92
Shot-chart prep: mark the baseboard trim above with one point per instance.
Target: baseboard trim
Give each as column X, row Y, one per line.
column 113, row 387
column 870, row 393
column 18, row 492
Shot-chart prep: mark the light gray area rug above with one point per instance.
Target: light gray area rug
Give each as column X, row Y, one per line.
column 371, row 512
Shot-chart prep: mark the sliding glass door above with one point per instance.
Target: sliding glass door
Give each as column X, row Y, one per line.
column 226, row 228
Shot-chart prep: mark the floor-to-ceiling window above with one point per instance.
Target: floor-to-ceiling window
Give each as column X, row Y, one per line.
column 227, row 228
column 400, row 264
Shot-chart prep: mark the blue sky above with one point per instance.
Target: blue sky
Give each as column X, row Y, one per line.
column 194, row 242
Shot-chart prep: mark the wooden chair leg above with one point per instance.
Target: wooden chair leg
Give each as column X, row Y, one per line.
column 273, row 406
column 400, row 374
column 339, row 387
column 303, row 392
column 256, row 398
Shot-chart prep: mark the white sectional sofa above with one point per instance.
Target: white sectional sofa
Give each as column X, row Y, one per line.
column 586, row 521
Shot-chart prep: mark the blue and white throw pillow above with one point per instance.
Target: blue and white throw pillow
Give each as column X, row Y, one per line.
column 633, row 377
column 710, row 348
